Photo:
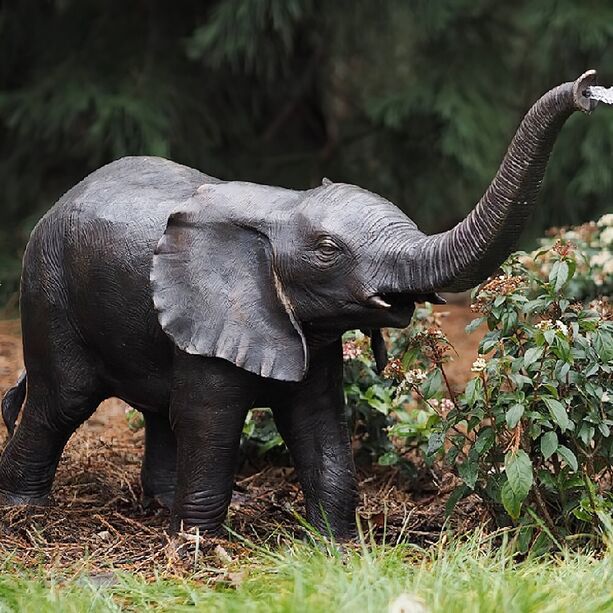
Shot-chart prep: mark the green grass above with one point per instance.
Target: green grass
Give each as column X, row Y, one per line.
column 474, row 575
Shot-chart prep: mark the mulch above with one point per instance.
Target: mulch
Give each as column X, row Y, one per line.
column 96, row 522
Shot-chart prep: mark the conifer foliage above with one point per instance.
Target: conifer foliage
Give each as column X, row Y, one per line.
column 415, row 100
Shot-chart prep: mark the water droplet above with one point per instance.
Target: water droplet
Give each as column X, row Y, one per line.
column 602, row 94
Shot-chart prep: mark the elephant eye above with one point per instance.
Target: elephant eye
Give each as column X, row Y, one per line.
column 327, row 248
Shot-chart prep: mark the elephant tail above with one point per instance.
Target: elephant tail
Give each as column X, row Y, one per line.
column 12, row 402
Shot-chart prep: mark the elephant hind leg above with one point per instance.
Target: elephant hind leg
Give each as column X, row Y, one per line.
column 159, row 469
column 53, row 410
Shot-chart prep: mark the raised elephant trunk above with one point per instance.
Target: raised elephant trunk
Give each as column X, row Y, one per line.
column 464, row 256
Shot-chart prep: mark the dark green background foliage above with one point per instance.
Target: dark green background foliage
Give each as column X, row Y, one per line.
column 415, row 100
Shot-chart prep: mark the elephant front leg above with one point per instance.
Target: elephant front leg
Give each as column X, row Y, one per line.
column 208, row 408
column 312, row 422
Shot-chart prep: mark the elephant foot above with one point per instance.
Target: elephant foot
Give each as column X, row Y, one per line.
column 163, row 500
column 204, row 512
column 158, row 489
column 179, row 526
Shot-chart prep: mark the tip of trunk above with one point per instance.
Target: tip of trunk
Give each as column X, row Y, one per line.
column 581, row 91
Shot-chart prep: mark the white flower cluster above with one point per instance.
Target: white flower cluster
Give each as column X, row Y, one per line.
column 547, row 324
column 351, row 351
column 606, row 238
column 445, row 405
column 415, row 377
column 544, row 324
column 602, row 259
column 606, row 221
column 479, row 365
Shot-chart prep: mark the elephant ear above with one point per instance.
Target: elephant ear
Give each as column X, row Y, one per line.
column 217, row 294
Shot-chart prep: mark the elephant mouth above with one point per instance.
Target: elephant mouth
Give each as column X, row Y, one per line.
column 401, row 301
column 391, row 301
column 396, row 308
column 393, row 309
column 386, row 309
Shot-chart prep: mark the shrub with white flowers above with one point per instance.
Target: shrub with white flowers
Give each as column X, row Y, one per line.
column 392, row 415
column 532, row 433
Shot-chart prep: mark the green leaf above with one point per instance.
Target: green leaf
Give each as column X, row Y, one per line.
column 455, row 497
column 474, row 324
column 553, row 273
column 435, row 442
column 433, row 384
column 561, row 349
column 388, row 459
column 514, row 414
column 510, row 501
column 572, row 267
column 533, row 306
column 520, row 380
column 586, row 433
column 549, row 444
column 489, row 341
column 561, row 371
column 518, row 468
column 379, row 405
column 484, row 441
column 468, row 472
column 524, row 538
column 582, row 514
column 409, row 357
column 532, row 355
column 603, row 345
column 275, row 441
column 508, row 322
column 561, row 276
column 558, row 412
column 473, row 391
column 569, row 457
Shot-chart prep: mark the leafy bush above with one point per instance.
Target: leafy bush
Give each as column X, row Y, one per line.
column 531, row 434
column 390, row 421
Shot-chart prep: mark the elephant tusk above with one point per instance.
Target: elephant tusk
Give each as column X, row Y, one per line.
column 378, row 302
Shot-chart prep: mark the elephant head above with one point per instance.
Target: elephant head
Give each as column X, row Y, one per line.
column 249, row 273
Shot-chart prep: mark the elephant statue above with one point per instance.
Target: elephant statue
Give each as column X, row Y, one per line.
column 195, row 299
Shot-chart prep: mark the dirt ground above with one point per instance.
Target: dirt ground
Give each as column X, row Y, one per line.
column 96, row 519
